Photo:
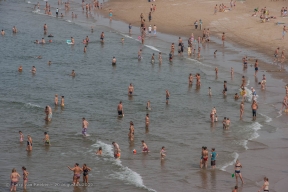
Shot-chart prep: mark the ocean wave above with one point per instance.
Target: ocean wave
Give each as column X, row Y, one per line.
column 267, row 119
column 124, row 173
column 30, row 105
column 153, row 48
column 255, row 126
column 198, row 62
column 235, row 157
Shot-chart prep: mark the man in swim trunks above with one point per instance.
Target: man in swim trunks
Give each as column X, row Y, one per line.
column 84, row 126
column 77, row 172
column 254, row 107
column 120, row 109
column 130, row 90
column 144, row 147
column 167, row 96
column 117, row 150
column 46, row 139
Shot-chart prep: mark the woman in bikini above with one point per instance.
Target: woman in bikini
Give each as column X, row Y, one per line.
column 238, row 167
column 25, row 177
column 29, row 143
column 131, row 131
column 265, row 186
column 14, row 179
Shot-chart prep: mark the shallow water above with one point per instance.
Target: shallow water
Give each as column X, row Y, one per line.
column 182, row 127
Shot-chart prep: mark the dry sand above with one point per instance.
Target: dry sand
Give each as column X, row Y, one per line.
column 177, row 17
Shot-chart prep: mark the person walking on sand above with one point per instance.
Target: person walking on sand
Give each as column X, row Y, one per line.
column 223, row 37
column 85, row 173
column 77, row 172
column 196, row 24
column 25, row 177
column 238, row 167
column 215, row 9
column 265, row 186
column 284, row 31
column 276, row 55
column 14, row 176
column 84, row 126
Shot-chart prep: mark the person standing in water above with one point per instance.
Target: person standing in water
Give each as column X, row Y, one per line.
column 265, row 186
column 25, row 177
column 120, row 109
column 102, row 37
column 84, row 126
column 167, row 96
column 14, row 179
column 213, row 158
column 131, row 131
column 29, row 143
column 148, row 106
column 238, row 167
column 77, row 172
column 62, row 101
column 241, row 109
column 162, row 153
column 114, row 61
column 130, row 89
column 117, row 150
column 190, row 79
column 56, row 99
column 147, row 121
column 21, row 136
column 46, row 139
column 256, row 67
column 85, row 173
column 254, row 107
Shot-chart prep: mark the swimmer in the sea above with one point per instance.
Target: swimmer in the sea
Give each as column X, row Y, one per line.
column 236, row 96
column 99, row 152
column 209, row 91
column 2, row 32
column 46, row 139
column 50, row 35
column 49, row 62
column 62, row 101
column 130, row 89
column 20, row 68
column 114, row 61
column 33, row 69
column 73, row 74
column 21, row 136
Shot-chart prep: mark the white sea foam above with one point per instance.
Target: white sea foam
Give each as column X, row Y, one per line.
column 30, row 105
column 248, row 83
column 198, row 62
column 255, row 126
column 267, row 119
column 153, row 48
column 235, row 157
column 124, row 173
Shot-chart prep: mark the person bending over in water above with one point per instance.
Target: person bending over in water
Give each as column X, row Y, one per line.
column 144, row 147
column 117, row 150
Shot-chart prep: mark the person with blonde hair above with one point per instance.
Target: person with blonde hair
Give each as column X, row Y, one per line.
column 14, row 179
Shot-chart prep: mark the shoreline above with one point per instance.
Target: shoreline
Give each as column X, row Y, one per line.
column 264, row 48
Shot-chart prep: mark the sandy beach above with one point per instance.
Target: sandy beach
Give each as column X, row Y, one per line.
column 178, row 17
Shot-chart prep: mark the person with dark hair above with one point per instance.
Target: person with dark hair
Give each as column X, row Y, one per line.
column 25, row 177
column 77, row 172
column 85, row 173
